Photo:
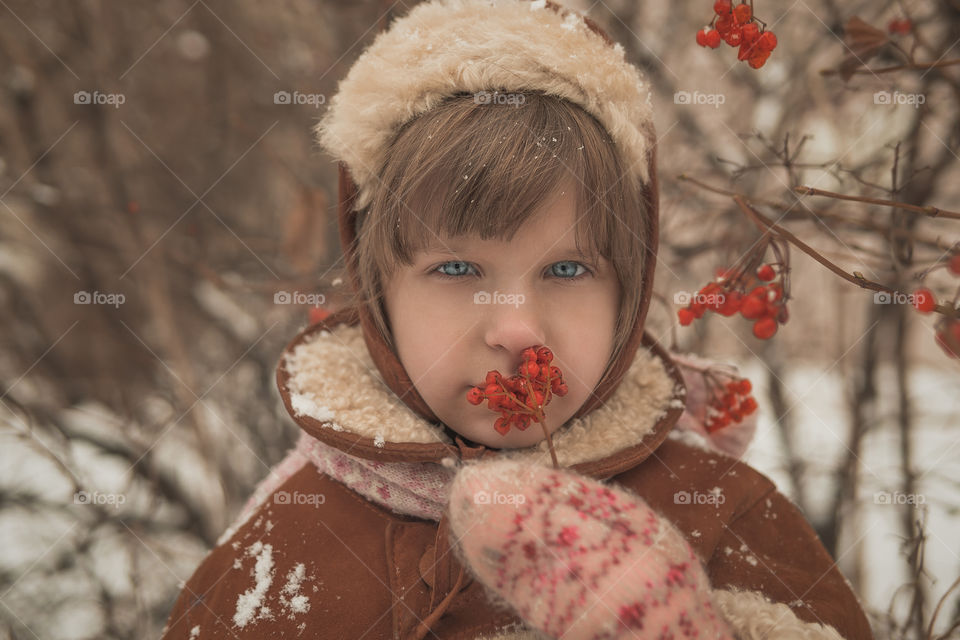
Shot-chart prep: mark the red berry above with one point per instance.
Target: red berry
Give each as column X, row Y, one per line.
column 766, row 273
column 749, row 32
column 713, row 38
column 317, row 314
column 722, row 7
column 724, row 25
column 900, row 26
column 753, row 307
column 924, row 301
column 685, row 316
column 539, row 397
column 475, row 395
column 744, row 386
column 702, row 37
column 531, row 369
column 733, row 37
column 764, row 328
column 758, row 60
column 544, row 355
column 742, row 13
column 749, row 406
column 767, row 41
column 954, row 264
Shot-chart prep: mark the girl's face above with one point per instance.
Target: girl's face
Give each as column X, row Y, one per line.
column 473, row 305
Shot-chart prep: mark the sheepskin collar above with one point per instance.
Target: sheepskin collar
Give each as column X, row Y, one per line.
column 333, row 391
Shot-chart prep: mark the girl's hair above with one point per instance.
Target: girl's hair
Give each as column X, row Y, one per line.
column 482, row 164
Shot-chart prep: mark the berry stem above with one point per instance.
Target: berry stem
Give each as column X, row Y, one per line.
column 553, row 452
column 539, row 414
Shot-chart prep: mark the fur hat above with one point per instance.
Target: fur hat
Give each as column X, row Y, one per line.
column 445, row 47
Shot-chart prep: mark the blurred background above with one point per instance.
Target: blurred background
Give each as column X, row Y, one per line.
column 159, row 187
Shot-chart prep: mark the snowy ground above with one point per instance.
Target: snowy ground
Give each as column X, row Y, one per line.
column 819, row 411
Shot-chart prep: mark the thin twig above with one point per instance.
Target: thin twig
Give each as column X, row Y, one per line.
column 913, row 66
column 933, row 212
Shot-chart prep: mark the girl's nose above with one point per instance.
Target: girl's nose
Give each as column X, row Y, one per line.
column 513, row 324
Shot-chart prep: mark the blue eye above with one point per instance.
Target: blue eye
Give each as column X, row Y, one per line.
column 567, row 270
column 458, row 269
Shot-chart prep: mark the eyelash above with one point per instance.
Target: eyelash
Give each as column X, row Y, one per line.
column 435, row 271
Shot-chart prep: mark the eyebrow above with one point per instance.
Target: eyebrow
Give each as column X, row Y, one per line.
column 453, row 249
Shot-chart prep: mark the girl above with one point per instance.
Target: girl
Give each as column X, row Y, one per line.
column 498, row 191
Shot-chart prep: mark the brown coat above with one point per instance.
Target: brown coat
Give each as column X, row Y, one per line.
column 371, row 573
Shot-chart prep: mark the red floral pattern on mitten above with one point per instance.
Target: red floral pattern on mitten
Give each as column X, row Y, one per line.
column 577, row 558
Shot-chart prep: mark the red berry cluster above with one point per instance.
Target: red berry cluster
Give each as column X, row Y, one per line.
column 730, row 403
column 900, row 26
column 737, row 26
column 520, row 399
column 948, row 328
column 764, row 304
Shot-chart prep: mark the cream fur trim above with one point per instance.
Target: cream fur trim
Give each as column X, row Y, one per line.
column 333, row 379
column 752, row 617
column 446, row 46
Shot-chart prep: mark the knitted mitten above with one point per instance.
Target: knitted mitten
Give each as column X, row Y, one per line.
column 576, row 558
